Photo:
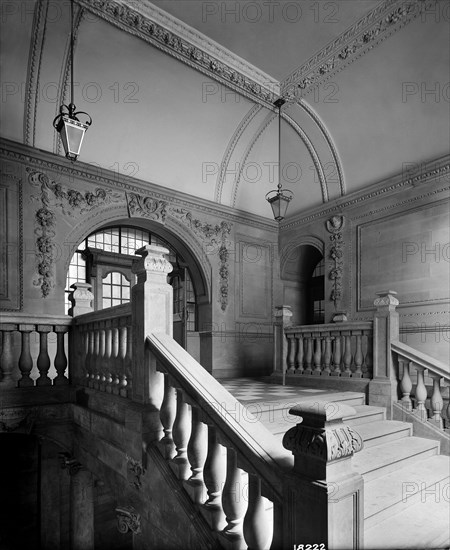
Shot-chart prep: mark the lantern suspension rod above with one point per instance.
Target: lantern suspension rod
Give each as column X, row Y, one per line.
column 71, row 52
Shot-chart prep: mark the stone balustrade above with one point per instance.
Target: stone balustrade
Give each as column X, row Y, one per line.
column 34, row 351
column 414, row 366
column 102, row 350
column 335, row 349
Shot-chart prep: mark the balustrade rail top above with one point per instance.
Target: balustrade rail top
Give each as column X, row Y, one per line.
column 331, row 327
column 244, row 431
column 37, row 319
column 103, row 314
column 433, row 365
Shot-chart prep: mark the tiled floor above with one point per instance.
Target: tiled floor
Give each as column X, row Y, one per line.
column 247, row 390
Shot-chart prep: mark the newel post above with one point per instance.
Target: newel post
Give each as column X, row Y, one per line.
column 323, row 497
column 282, row 319
column 81, row 299
column 152, row 307
column 383, row 386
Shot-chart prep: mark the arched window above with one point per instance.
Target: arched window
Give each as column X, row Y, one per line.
column 317, row 293
column 105, row 258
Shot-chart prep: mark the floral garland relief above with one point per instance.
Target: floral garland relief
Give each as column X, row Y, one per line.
column 72, row 203
column 334, row 226
column 216, row 237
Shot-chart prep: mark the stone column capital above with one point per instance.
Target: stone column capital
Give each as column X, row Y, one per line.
column 152, row 260
column 386, row 300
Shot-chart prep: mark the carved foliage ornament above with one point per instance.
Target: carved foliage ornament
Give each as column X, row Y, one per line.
column 71, row 202
column 334, row 226
column 147, row 207
column 325, row 444
column 135, row 471
column 128, row 520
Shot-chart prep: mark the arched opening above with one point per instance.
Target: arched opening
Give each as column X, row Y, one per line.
column 105, row 257
column 302, row 272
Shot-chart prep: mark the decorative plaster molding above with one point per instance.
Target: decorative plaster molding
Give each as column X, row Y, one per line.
column 43, row 160
column 146, row 207
column 231, row 147
column 128, row 520
column 69, row 463
column 187, row 45
column 135, row 470
column 372, row 29
column 333, row 150
column 34, row 69
column 334, row 226
column 215, row 236
column 428, row 173
column 19, row 420
column 71, row 202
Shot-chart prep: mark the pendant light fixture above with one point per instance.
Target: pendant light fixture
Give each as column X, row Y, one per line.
column 279, row 198
column 66, row 123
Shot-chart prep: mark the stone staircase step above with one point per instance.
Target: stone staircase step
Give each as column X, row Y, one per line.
column 380, row 460
column 425, row 480
column 383, row 431
column 424, row 526
column 364, row 414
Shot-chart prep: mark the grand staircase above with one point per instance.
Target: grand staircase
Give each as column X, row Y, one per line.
column 406, row 480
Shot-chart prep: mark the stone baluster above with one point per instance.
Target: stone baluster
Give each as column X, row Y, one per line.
column 291, row 353
column 256, row 526
column 43, row 360
column 327, row 356
column 308, row 354
column 405, row 384
column 337, row 357
column 421, row 392
column 436, row 401
column 60, row 357
column 122, row 352
column 283, row 320
column 214, row 475
column 90, row 358
column 7, row 357
column 300, row 355
column 196, row 452
column 347, row 372
column 358, row 356
column 25, row 359
column 115, row 359
column 167, row 416
column 181, row 433
column 96, row 356
column 126, row 380
column 233, row 503
column 317, row 356
column 102, row 362
column 368, row 364
column 107, row 358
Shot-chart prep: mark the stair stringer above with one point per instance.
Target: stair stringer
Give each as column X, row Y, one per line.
column 422, row 428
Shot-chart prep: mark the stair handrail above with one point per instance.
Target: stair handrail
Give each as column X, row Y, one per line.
column 255, row 445
column 422, row 359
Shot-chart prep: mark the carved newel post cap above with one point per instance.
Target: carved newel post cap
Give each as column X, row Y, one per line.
column 339, row 317
column 322, row 440
column 81, row 298
column 283, row 311
column 386, row 300
column 153, row 260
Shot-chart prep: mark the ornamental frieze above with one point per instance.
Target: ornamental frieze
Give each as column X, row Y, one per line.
column 146, row 207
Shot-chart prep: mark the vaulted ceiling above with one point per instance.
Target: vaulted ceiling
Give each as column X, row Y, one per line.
column 181, row 92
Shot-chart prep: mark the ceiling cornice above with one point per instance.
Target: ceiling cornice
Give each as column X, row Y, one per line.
column 437, row 170
column 372, row 29
column 173, row 37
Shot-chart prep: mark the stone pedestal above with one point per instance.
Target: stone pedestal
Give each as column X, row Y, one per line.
column 81, row 299
column 383, row 386
column 323, row 495
column 82, row 510
column 282, row 319
column 152, row 303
